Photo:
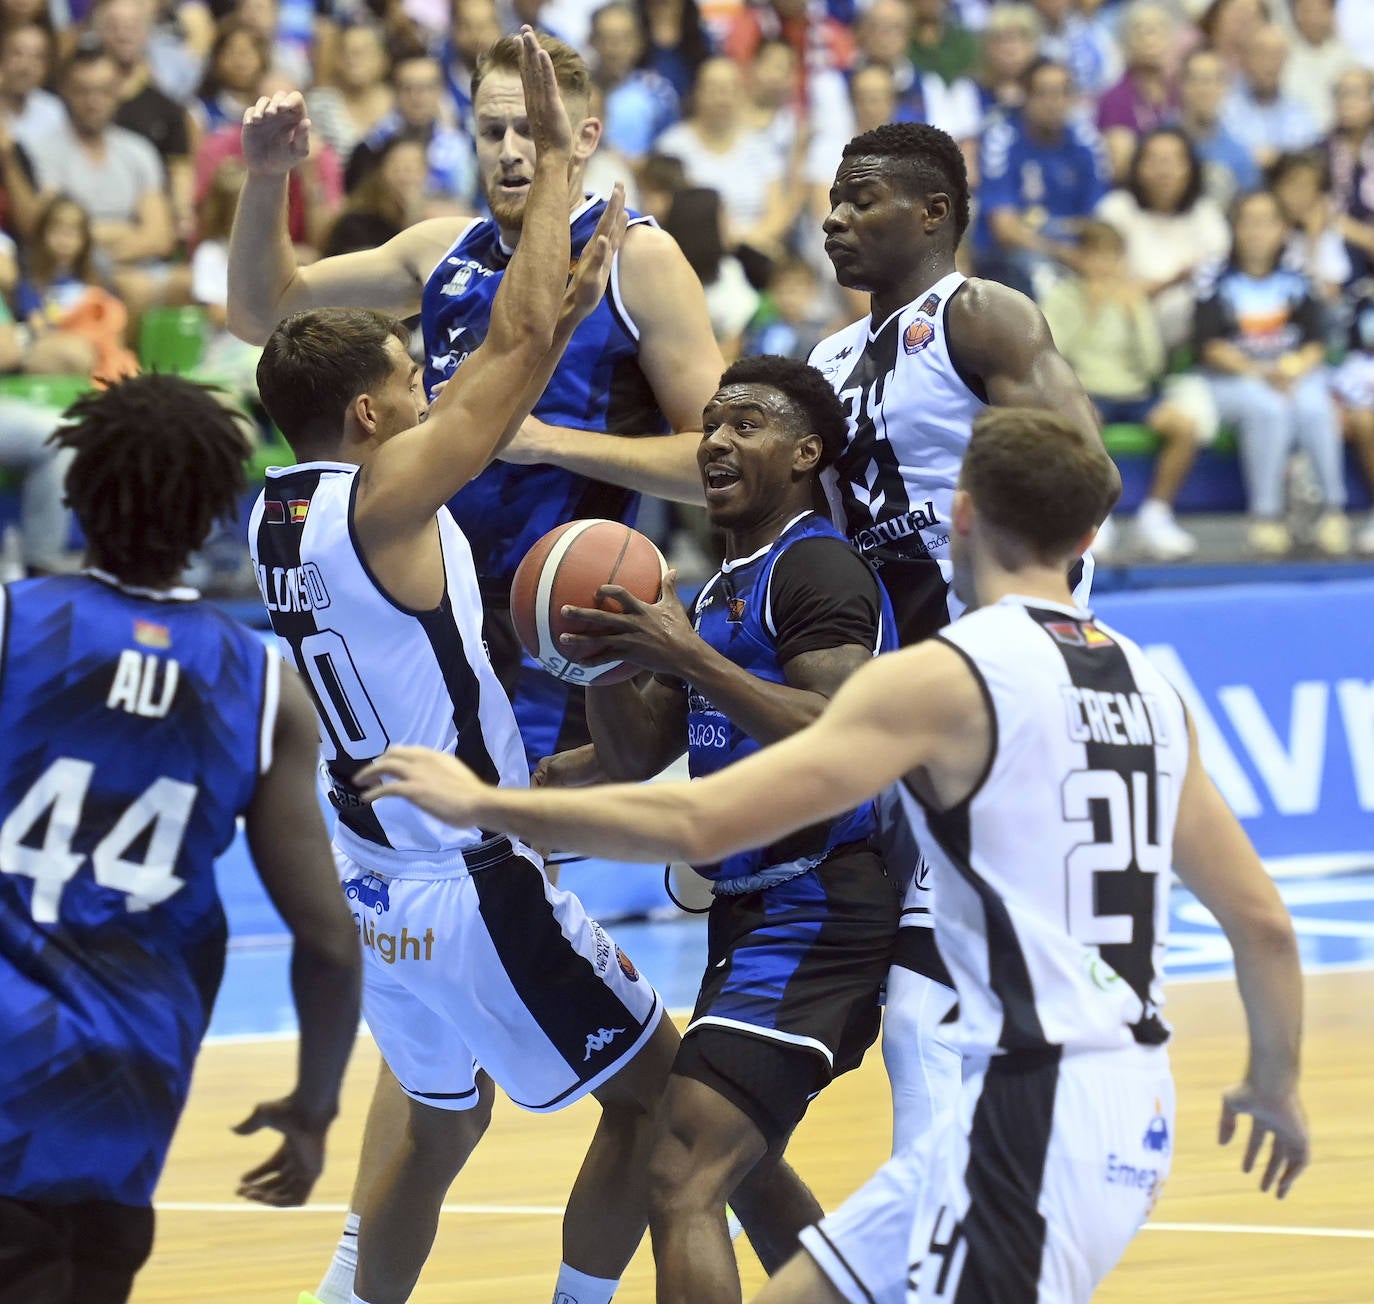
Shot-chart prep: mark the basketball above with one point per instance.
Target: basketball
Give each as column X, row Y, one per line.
column 566, row 568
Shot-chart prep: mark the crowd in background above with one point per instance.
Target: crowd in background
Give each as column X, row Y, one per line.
column 1187, row 189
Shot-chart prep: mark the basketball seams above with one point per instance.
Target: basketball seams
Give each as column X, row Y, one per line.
column 543, row 595
column 620, row 559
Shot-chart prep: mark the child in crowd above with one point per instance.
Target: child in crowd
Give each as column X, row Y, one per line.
column 1104, row 325
column 77, row 326
column 794, row 315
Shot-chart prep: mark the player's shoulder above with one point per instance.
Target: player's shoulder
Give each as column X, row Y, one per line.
column 988, row 306
column 833, row 351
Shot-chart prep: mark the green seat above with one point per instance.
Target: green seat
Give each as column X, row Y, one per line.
column 1123, row 440
column 172, row 339
column 58, row 392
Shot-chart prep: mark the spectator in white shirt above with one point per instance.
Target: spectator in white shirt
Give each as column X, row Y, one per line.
column 1316, row 58
column 1258, row 112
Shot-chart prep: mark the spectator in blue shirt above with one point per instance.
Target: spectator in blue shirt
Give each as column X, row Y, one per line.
column 1259, row 334
column 1257, row 112
column 449, row 150
column 640, row 104
column 1227, row 167
column 474, row 29
column 1042, row 176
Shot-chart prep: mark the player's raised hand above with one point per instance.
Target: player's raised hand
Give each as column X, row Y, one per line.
column 549, row 127
column 276, row 133
column 287, row 1177
column 593, row 272
column 434, row 781
column 1279, row 1115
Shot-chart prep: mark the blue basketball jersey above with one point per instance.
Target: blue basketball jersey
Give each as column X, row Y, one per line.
column 598, row 386
column 734, row 614
column 135, row 726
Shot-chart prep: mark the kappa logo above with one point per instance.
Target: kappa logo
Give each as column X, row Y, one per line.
column 917, row 336
column 599, row 1040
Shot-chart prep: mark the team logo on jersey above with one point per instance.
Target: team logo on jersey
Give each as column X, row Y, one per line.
column 735, row 606
column 274, row 512
column 929, row 306
column 298, row 508
column 626, row 967
column 917, row 336
column 1156, row 1136
column 148, row 633
column 599, row 1040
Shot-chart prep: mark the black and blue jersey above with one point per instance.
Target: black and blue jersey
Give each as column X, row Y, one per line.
column 136, row 725
column 807, row 591
column 598, row 385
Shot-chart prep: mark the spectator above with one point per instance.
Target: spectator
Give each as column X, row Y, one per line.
column 227, row 358
column 313, row 190
column 1353, row 384
column 1227, row 166
column 117, row 177
column 939, row 43
column 1259, row 336
column 1042, row 175
column 124, row 29
column 639, row 103
column 361, row 95
column 1257, row 112
column 1170, row 228
column 1145, row 98
column 388, row 199
column 27, row 111
column 696, row 221
column 1355, row 25
column 773, row 100
column 794, row 315
column 608, row 165
column 238, row 60
column 1010, row 41
column 1314, row 245
column 675, row 42
column 452, row 185
column 26, row 451
column 1082, row 45
column 1316, row 58
column 819, row 41
column 885, row 36
column 718, row 149
column 77, row 325
column 301, row 35
column 1350, row 167
column 1103, row 324
column 1226, row 26
column 660, row 177
column 474, row 29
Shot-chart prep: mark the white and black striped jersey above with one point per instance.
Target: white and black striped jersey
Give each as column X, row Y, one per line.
column 380, row 673
column 911, row 414
column 1052, row 878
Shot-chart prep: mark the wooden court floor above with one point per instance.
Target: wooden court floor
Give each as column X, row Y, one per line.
column 1213, row 1237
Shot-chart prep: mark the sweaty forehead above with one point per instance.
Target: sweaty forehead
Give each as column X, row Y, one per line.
column 500, row 94
column 865, row 170
column 770, row 402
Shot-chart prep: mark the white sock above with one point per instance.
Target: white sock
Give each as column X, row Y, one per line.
column 355, row 1298
column 577, row 1288
column 337, row 1286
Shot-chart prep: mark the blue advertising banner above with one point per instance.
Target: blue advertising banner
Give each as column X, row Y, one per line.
column 1279, row 679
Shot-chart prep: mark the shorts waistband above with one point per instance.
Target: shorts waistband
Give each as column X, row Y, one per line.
column 393, row 863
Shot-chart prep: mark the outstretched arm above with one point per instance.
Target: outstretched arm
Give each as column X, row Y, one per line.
column 265, row 281
column 913, row 710
column 1000, row 338
column 1218, row 865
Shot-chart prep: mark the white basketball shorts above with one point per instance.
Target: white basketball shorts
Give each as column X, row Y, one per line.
column 1028, row 1194
column 494, row 967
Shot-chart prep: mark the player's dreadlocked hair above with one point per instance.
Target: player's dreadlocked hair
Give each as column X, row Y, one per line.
column 158, row 461
column 805, row 388
column 931, row 158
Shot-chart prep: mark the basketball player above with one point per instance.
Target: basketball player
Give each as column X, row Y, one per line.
column 1054, row 779
column 370, row 588
column 801, row 931
column 139, row 724
column 936, row 350
column 644, row 362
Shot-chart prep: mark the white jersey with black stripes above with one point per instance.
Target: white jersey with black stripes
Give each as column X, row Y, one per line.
column 1052, row 878
column 380, row 673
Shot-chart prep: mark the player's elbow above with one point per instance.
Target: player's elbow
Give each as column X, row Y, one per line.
column 332, row 943
column 245, row 325
column 1263, row 932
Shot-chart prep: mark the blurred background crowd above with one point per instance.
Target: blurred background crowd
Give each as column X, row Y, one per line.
column 1187, row 189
